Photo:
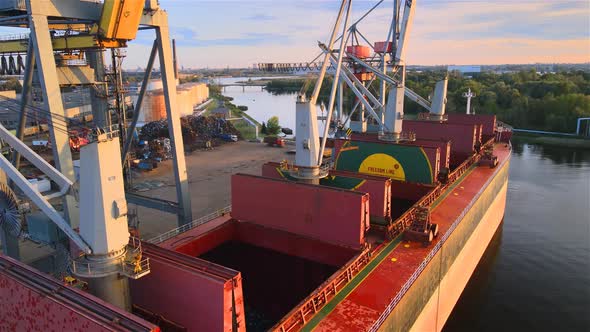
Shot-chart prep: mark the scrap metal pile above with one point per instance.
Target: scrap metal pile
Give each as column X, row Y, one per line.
column 194, row 128
column 198, row 132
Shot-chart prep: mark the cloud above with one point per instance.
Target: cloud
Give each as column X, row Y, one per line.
column 260, row 17
column 247, row 39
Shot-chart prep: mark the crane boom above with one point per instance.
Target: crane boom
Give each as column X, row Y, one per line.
column 418, row 99
column 406, row 26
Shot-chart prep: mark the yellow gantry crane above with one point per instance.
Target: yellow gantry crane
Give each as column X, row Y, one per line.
column 119, row 22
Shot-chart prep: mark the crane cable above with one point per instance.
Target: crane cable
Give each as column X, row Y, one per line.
column 59, row 122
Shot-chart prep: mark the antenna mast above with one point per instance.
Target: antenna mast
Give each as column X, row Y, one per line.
column 469, row 95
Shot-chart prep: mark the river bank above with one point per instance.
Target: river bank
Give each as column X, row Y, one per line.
column 553, row 140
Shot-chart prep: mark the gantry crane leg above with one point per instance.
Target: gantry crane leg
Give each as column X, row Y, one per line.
column 169, row 83
column 100, row 106
column 25, row 100
column 47, row 72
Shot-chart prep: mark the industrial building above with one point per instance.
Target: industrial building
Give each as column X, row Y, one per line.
column 465, row 69
column 188, row 95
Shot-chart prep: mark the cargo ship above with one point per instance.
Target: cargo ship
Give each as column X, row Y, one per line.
column 291, row 256
column 376, row 225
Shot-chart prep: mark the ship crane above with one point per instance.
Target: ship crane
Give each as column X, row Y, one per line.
column 103, row 237
column 354, row 66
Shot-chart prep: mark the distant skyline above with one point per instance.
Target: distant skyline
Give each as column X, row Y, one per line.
column 218, row 34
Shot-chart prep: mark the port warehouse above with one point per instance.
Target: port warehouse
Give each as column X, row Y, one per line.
column 189, row 95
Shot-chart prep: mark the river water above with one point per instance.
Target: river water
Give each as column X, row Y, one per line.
column 535, row 274
column 263, row 105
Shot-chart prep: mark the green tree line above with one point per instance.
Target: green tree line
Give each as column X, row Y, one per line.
column 524, row 99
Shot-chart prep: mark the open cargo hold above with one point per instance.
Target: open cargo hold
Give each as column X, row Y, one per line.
column 33, row 301
column 278, row 269
column 335, row 216
column 207, row 296
column 404, row 162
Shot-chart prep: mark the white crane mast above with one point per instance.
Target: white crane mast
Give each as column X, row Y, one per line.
column 392, row 126
column 406, row 27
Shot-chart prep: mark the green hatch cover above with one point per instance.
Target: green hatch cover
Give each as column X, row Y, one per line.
column 399, row 162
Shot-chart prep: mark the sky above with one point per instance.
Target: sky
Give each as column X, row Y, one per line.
column 222, row 33
column 219, row 33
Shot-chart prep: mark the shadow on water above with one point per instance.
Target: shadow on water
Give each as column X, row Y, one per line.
column 561, row 155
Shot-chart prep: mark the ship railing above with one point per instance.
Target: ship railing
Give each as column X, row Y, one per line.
column 490, row 142
column 398, row 226
column 131, row 264
column 425, row 116
column 302, row 313
column 131, row 269
column 187, row 227
column 405, row 220
column 50, row 288
column 404, row 289
column 76, row 62
column 136, row 270
column 503, row 126
column 135, row 266
column 306, row 173
column 459, row 171
column 92, row 269
column 404, row 136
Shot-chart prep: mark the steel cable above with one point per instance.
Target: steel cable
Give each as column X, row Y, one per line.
column 58, row 122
